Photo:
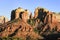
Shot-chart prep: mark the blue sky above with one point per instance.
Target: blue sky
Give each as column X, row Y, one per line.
column 6, row 6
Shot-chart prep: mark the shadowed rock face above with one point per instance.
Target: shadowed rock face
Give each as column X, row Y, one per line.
column 13, row 15
column 41, row 15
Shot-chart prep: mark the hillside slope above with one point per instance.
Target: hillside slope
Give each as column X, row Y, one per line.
column 18, row 28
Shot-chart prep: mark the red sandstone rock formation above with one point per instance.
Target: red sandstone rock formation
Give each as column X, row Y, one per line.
column 18, row 28
column 44, row 20
column 20, row 13
column 48, row 19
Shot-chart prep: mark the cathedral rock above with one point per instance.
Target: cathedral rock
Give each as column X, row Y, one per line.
column 43, row 25
column 20, row 13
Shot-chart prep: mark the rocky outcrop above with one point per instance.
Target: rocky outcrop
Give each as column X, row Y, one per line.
column 45, row 16
column 47, row 20
column 20, row 13
column 3, row 19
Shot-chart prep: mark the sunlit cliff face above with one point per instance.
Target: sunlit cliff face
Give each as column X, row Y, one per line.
column 57, row 17
column 51, row 18
column 25, row 15
column 18, row 12
column 35, row 13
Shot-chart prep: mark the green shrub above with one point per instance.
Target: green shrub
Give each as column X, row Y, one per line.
column 11, row 38
column 31, row 22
